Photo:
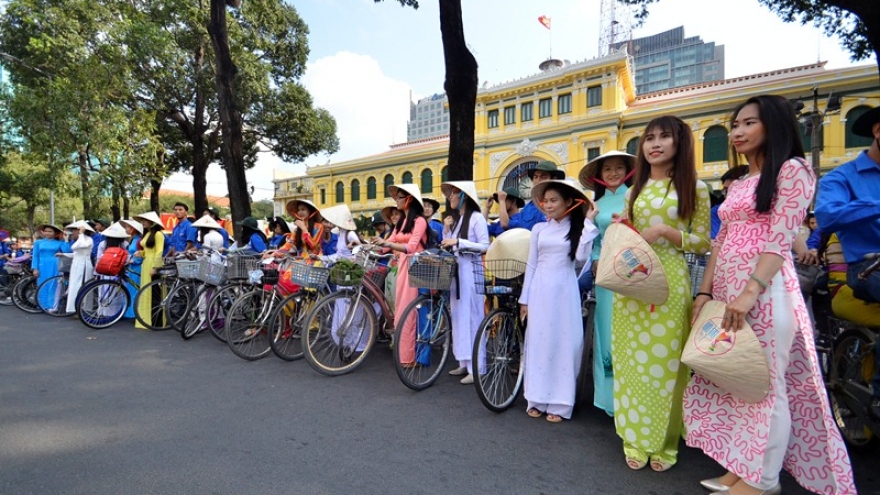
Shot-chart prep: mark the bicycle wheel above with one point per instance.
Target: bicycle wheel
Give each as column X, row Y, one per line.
column 219, row 305
column 6, row 290
column 52, row 296
column 247, row 324
column 196, row 319
column 428, row 318
column 102, row 303
column 177, row 304
column 286, row 326
column 148, row 308
column 24, row 295
column 852, row 368
column 497, row 358
column 338, row 333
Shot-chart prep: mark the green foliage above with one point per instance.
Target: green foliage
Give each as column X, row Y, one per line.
column 263, row 209
column 365, row 226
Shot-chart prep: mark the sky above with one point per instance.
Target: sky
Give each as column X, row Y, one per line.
column 369, row 60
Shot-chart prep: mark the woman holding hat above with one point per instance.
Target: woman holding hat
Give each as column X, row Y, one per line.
column 669, row 207
column 609, row 177
column 135, row 230
column 309, row 229
column 81, row 269
column 251, row 236
column 470, row 238
column 408, row 238
column 551, row 300
column 43, row 261
column 150, row 251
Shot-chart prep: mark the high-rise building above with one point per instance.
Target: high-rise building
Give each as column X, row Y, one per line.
column 669, row 60
column 428, row 118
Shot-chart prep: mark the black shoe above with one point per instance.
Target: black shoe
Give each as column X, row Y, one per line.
column 875, row 408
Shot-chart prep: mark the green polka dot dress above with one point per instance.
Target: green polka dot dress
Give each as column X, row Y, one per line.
column 646, row 340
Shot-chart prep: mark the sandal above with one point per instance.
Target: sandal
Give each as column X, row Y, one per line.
column 554, row 418
column 534, row 413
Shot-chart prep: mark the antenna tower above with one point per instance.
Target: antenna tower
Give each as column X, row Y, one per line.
column 615, row 26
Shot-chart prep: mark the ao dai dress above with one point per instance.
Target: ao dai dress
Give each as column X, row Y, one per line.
column 603, row 375
column 745, row 438
column 466, row 306
column 152, row 259
column 404, row 294
column 134, row 273
column 646, row 340
column 81, row 269
column 44, row 260
column 554, row 339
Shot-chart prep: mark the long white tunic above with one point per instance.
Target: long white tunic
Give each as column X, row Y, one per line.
column 81, row 269
column 466, row 306
column 554, row 337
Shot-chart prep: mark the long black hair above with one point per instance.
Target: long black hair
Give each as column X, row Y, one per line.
column 313, row 218
column 684, row 169
column 413, row 211
column 576, row 216
column 469, row 208
column 113, row 242
column 150, row 237
column 782, row 142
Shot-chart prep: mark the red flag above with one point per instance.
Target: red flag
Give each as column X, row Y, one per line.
column 545, row 21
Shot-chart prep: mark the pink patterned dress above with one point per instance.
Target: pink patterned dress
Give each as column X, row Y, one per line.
column 736, row 433
column 404, row 294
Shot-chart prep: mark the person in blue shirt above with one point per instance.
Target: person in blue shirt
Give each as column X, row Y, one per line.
column 329, row 239
column 183, row 237
column 5, row 255
column 381, row 225
column 252, row 237
column 432, row 206
column 848, row 204
column 726, row 180
column 44, row 262
column 213, row 213
column 99, row 225
column 280, row 233
column 543, row 171
column 510, row 204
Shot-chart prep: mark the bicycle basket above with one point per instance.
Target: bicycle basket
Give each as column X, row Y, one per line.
column 167, row 270
column 187, row 269
column 211, row 273
column 377, row 275
column 14, row 268
column 497, row 277
column 696, row 267
column 240, row 266
column 346, row 273
column 431, row 271
column 309, row 276
column 64, row 264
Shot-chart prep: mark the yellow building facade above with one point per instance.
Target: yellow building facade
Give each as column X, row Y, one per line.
column 572, row 113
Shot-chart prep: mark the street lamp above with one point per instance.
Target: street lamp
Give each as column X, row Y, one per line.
column 814, row 126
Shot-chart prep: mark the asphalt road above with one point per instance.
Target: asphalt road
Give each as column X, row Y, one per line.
column 123, row 411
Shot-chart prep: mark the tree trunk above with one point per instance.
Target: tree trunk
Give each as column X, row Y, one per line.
column 31, row 209
column 83, row 162
column 230, row 115
column 126, row 206
column 461, row 90
column 155, row 185
column 199, row 175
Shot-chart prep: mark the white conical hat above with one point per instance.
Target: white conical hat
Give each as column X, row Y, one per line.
column 151, row 216
column 80, row 224
column 207, row 222
column 465, row 186
column 513, row 244
column 115, row 230
column 411, row 189
column 293, row 204
column 590, row 172
column 629, row 266
column 131, row 222
column 538, row 191
column 339, row 216
column 734, row 361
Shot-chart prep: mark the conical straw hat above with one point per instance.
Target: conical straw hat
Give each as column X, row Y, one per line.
column 293, row 204
column 733, row 361
column 207, row 222
column 116, row 231
column 465, row 186
column 151, row 216
column 131, row 222
column 590, row 172
column 512, row 244
column 538, row 191
column 629, row 266
column 339, row 216
column 80, row 224
column 411, row 189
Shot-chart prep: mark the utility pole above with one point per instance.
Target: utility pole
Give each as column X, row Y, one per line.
column 816, row 133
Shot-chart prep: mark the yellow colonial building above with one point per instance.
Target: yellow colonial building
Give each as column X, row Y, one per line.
column 570, row 114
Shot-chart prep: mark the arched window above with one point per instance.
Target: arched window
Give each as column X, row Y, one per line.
column 389, row 181
column 407, row 178
column 340, row 192
column 355, row 190
column 853, row 141
column 632, row 146
column 444, row 176
column 371, row 188
column 715, row 144
column 427, row 181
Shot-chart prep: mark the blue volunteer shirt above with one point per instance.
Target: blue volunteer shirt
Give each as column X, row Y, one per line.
column 96, row 239
column 256, row 243
column 183, row 232
column 849, row 204
column 516, row 221
column 531, row 215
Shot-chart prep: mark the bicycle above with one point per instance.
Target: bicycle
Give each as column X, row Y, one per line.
column 196, row 317
column 103, row 302
column 342, row 327
column 429, row 318
column 253, row 325
column 53, row 292
column 24, row 295
column 15, row 270
column 498, row 345
column 242, row 273
column 853, row 365
column 163, row 311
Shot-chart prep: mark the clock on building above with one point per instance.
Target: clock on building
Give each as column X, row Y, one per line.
column 518, row 177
